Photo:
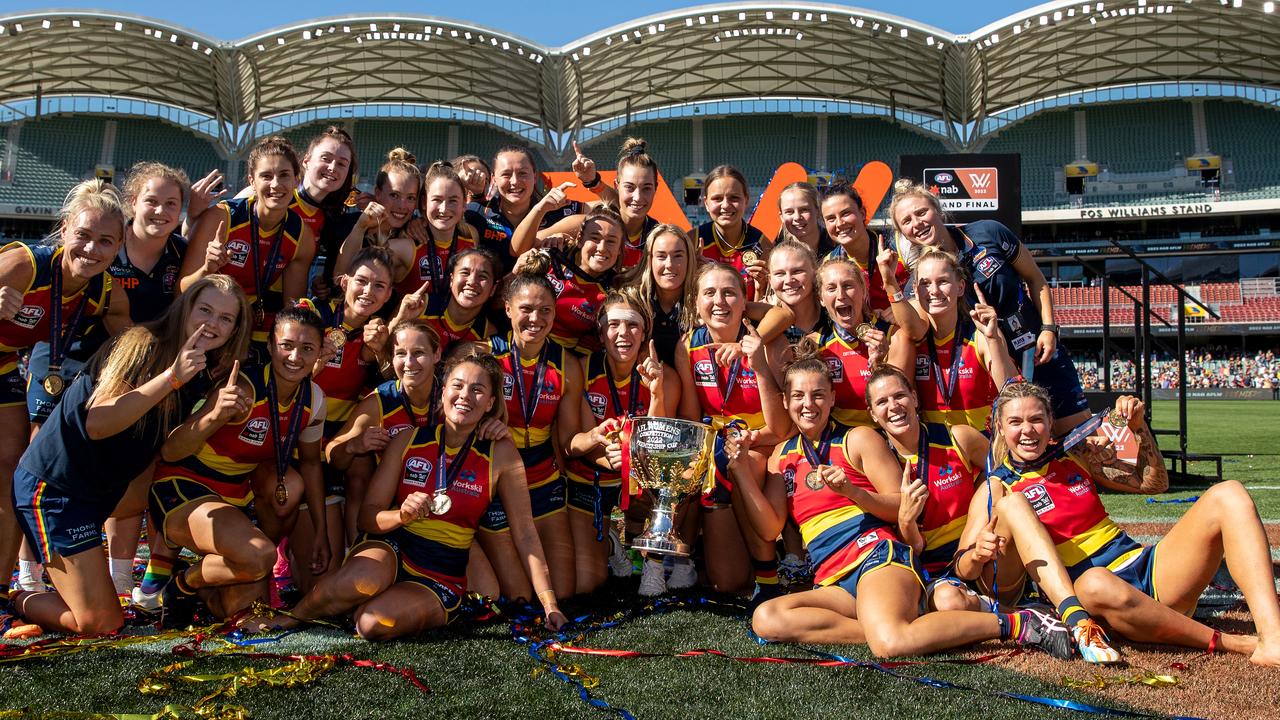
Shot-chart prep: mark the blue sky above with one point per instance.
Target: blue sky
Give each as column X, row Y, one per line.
column 549, row 23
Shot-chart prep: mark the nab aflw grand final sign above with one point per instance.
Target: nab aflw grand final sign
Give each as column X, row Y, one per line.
column 971, row 187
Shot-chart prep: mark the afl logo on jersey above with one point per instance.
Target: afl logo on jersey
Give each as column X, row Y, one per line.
column 836, row 368
column 704, row 372
column 170, row 279
column 416, row 471
column 789, row 480
column 922, row 367
column 397, row 429
column 1039, row 498
column 987, row 266
column 599, row 404
column 508, row 385
column 238, row 252
column 255, row 431
column 28, row 316
column 556, row 284
column 424, row 267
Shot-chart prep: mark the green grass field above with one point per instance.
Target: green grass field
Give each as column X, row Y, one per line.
column 477, row 670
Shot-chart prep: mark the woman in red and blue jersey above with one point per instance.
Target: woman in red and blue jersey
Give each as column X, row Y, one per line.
column 870, row 581
column 945, row 517
column 421, row 515
column 1146, row 594
column 793, row 282
column 425, row 253
column 846, row 221
column 355, row 347
column 961, row 361
column 624, row 379
column 633, row 192
column 70, row 265
column 238, row 448
column 724, row 369
column 542, row 382
column 727, row 237
column 581, row 274
column 800, row 219
column 851, row 342
column 258, row 240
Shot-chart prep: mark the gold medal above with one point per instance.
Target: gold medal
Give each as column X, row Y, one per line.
column 259, row 314
column 441, row 503
column 750, row 257
column 1116, row 419
column 335, row 338
column 862, row 330
column 813, row 480
column 282, row 494
column 733, row 432
column 53, row 384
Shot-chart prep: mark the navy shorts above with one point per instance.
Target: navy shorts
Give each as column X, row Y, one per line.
column 400, row 542
column 13, row 388
column 884, row 554
column 544, row 500
column 1060, row 378
column 584, row 495
column 168, row 494
column 53, row 523
column 40, row 404
column 1131, row 562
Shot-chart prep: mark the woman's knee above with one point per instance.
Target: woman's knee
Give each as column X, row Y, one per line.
column 98, row 621
column 374, row 626
column 252, row 560
column 769, row 621
column 886, row 642
column 1232, row 496
column 949, row 597
column 1099, row 591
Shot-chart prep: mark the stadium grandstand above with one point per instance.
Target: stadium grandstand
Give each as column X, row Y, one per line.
column 1152, row 125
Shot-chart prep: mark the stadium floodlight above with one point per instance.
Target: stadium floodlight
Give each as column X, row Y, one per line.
column 929, row 40
column 822, row 17
column 1237, row 3
column 799, row 36
column 396, row 27
column 119, row 27
column 1268, row 7
column 45, row 24
column 768, row 15
column 902, row 32
column 1017, row 30
column 75, row 23
column 742, row 16
column 373, row 27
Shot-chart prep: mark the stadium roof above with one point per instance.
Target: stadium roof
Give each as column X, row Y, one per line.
column 946, row 84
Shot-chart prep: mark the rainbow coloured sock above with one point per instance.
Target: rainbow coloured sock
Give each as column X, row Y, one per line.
column 159, row 569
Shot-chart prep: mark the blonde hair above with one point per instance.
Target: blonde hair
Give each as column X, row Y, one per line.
column 402, row 161
column 97, row 195
column 601, row 213
column 792, row 245
column 144, row 351
column 629, row 297
column 1010, row 392
column 810, row 194
column 953, row 264
column 859, row 279
column 442, row 170
column 905, row 189
column 642, row 277
column 141, row 172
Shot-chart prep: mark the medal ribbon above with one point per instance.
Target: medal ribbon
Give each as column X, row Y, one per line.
column 284, row 445
column 445, row 478
column 922, row 456
column 529, row 404
column 633, row 393
column 403, row 396
column 60, row 341
column 822, row 453
column 947, row 385
column 1066, row 444
column 262, row 276
column 434, row 267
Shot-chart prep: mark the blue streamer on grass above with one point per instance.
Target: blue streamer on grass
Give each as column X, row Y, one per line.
column 1172, row 501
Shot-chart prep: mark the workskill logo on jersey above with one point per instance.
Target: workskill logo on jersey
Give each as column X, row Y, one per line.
column 964, row 188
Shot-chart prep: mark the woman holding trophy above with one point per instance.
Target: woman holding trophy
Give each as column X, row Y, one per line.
column 623, row 380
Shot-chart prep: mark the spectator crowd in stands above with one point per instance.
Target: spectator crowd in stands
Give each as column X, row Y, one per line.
column 1212, row 366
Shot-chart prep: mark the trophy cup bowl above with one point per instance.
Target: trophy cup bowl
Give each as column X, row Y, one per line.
column 669, row 462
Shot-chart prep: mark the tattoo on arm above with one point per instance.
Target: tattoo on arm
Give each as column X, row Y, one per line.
column 1147, row 476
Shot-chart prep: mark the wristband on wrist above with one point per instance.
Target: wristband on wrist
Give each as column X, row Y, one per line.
column 592, row 183
column 1049, row 327
column 172, row 378
column 897, row 296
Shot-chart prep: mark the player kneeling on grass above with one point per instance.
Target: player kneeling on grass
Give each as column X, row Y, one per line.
column 944, row 508
column 408, row 574
column 870, row 581
column 1144, row 593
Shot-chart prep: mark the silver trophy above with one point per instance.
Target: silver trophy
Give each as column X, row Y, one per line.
column 669, row 461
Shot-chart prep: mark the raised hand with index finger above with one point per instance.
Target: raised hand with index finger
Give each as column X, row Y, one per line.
column 583, row 166
column 191, row 359
column 232, row 401
column 887, row 263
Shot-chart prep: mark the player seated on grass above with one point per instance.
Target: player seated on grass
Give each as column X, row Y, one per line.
column 870, row 581
column 944, row 508
column 1147, row 593
column 427, row 497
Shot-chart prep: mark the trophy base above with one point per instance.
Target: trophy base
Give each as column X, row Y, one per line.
column 662, row 546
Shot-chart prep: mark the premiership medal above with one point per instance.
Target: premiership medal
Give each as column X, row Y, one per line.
column 282, row 493
column 862, row 330
column 53, row 384
column 335, row 338
column 813, row 480
column 259, row 314
column 440, row 503
column 750, row 257
column 1116, row 419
